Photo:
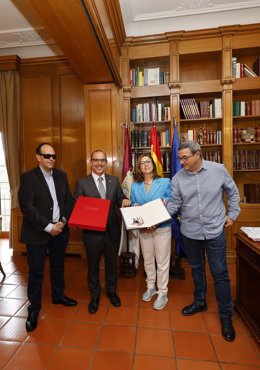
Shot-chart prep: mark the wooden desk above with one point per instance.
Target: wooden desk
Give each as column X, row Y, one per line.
column 248, row 282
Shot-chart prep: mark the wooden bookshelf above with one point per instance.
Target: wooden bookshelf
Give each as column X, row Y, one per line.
column 200, row 66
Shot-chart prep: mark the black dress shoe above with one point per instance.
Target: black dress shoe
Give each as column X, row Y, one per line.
column 227, row 329
column 93, row 305
column 31, row 322
column 194, row 308
column 114, row 299
column 66, row 301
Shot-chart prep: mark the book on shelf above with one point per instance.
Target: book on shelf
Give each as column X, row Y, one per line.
column 153, row 76
column 149, row 112
column 252, row 193
column 245, row 159
column 211, row 155
column 234, row 66
column 149, row 214
column 190, row 108
column 204, row 109
column 252, row 232
column 141, row 138
column 256, row 66
column 217, row 108
column 246, row 108
column 240, row 70
column 246, row 135
column 203, row 136
column 248, row 72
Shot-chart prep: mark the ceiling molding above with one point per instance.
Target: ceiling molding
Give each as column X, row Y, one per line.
column 25, row 37
column 196, row 7
column 10, row 62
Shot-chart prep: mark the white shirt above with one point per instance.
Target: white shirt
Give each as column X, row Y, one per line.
column 56, row 209
column 96, row 177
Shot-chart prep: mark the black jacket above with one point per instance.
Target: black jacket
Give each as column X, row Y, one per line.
column 37, row 205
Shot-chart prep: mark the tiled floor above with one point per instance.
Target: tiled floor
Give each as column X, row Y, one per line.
column 132, row 337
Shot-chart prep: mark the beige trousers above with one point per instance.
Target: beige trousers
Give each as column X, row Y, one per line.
column 156, row 246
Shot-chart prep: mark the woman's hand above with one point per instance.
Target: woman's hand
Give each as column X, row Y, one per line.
column 164, row 200
column 126, row 203
column 151, row 229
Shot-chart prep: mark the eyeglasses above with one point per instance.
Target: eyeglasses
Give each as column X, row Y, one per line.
column 185, row 157
column 48, row 156
column 96, row 160
column 145, row 162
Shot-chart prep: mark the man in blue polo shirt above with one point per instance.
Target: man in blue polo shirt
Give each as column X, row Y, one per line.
column 197, row 190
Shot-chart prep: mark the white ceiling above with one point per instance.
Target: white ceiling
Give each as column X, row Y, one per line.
column 144, row 17
column 22, row 33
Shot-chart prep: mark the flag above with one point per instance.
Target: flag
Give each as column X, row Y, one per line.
column 127, row 162
column 175, row 167
column 129, row 241
column 155, row 151
column 127, row 174
column 175, row 161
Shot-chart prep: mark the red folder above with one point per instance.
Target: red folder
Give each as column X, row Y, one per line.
column 90, row 213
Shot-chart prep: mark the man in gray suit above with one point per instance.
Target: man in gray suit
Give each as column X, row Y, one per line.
column 101, row 185
column 46, row 204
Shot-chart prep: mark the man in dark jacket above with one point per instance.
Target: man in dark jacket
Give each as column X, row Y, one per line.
column 46, row 204
column 101, row 185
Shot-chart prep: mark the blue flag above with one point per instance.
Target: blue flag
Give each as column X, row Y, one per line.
column 175, row 167
column 175, row 161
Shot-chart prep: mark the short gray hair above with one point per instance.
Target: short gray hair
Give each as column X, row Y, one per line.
column 192, row 145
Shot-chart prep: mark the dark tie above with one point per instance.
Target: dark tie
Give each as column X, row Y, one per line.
column 101, row 188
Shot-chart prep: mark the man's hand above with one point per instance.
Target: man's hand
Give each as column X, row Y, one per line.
column 57, row 228
column 229, row 221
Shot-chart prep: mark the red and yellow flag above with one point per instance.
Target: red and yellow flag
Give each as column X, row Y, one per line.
column 155, row 151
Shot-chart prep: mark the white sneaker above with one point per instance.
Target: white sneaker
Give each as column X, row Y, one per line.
column 160, row 301
column 147, row 296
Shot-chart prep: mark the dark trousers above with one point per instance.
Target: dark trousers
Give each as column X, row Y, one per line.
column 108, row 247
column 216, row 253
column 36, row 256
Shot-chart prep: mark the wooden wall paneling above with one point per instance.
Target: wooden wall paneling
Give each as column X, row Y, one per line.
column 37, row 117
column 101, row 125
column 149, row 51
column 174, row 61
column 227, row 59
column 200, row 45
column 17, row 219
column 73, row 147
column 125, row 68
column 9, row 62
column 227, row 128
column 248, row 40
column 72, row 126
column 175, row 106
column 52, row 111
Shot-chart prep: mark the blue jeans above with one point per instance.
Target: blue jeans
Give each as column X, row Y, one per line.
column 215, row 250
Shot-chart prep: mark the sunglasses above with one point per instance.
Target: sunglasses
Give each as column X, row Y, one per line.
column 96, row 160
column 48, row 156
